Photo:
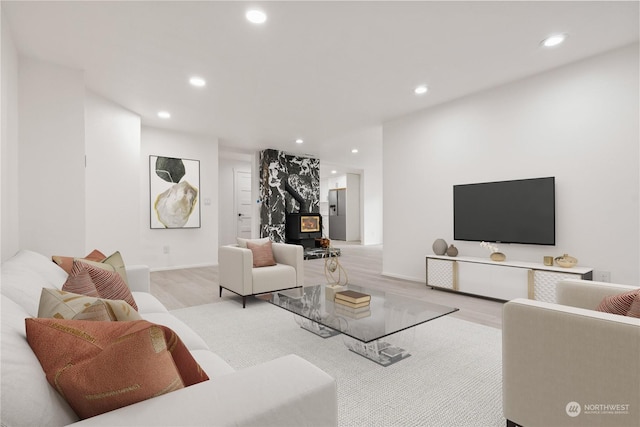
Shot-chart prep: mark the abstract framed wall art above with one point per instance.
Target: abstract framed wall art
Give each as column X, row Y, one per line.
column 174, row 190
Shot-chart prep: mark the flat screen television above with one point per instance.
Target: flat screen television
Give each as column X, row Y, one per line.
column 518, row 211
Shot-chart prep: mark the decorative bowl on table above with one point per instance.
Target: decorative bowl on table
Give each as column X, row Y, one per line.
column 497, row 256
column 566, row 261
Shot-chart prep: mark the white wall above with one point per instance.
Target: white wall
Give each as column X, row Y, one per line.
column 187, row 247
column 9, row 149
column 353, row 207
column 579, row 123
column 228, row 164
column 371, row 184
column 368, row 164
column 52, row 204
column 371, row 190
column 51, row 158
column 112, row 136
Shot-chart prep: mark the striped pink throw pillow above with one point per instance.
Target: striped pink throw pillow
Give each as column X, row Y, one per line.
column 106, row 284
column 79, row 281
column 262, row 254
column 618, row 304
column 634, row 310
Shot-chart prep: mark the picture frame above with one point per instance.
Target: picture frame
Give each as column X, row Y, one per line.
column 174, row 192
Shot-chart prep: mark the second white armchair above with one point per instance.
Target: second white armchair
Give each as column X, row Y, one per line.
column 238, row 275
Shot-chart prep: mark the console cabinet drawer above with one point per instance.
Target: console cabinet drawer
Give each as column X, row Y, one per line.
column 442, row 274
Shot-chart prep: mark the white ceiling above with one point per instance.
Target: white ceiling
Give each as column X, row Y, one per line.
column 328, row 72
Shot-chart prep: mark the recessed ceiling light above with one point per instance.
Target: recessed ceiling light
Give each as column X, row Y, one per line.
column 421, row 90
column 197, row 81
column 256, row 16
column 554, row 40
column 334, row 171
column 354, row 151
column 299, row 141
column 164, row 114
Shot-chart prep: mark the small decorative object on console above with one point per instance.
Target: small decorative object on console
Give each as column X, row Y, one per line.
column 566, row 261
column 439, row 247
column 495, row 254
column 498, row 256
column 323, row 242
column 452, row 251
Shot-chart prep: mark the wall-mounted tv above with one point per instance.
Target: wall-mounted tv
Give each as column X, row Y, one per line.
column 518, row 211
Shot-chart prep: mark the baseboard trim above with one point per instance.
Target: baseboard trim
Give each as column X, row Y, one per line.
column 181, row 267
column 401, row 277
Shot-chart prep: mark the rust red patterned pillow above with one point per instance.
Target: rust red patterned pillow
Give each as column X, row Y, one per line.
column 101, row 366
column 262, row 254
column 87, row 279
column 618, row 304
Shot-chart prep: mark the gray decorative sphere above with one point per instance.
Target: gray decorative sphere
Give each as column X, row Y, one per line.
column 439, row 247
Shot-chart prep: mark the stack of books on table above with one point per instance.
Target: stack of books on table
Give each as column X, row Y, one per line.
column 352, row 304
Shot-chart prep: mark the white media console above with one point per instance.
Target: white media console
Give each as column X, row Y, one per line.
column 504, row 280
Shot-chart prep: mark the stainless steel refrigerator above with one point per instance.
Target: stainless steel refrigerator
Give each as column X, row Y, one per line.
column 338, row 214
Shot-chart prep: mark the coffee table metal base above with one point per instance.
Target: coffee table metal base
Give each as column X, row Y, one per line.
column 381, row 351
column 315, row 328
column 385, row 351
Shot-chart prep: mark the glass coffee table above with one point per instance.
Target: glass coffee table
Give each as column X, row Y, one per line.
column 381, row 331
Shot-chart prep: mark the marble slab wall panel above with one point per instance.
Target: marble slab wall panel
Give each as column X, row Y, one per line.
column 303, row 175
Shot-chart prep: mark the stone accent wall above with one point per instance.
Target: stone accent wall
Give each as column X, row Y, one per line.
column 302, row 173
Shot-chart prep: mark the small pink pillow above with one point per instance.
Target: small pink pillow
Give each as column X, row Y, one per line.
column 618, row 304
column 262, row 254
column 634, row 310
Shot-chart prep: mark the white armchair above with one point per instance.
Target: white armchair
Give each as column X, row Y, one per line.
column 236, row 272
column 567, row 364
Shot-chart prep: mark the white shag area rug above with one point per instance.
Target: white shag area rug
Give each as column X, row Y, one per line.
column 452, row 378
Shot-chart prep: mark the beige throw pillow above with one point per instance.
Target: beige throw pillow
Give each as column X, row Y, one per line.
column 58, row 304
column 262, row 254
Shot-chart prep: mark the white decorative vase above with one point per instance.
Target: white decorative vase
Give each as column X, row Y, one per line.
column 439, row 247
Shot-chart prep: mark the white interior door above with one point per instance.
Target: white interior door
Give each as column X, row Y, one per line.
column 242, row 187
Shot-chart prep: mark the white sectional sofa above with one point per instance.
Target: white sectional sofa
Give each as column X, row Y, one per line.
column 567, row 364
column 288, row 391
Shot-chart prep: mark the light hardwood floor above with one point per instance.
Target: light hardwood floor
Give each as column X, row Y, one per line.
column 363, row 265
